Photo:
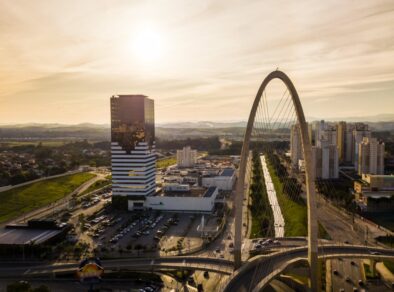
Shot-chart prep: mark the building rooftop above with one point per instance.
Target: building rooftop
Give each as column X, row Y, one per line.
column 210, row 191
column 21, row 236
column 193, row 192
column 227, row 172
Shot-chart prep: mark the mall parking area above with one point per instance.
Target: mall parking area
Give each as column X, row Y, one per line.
column 148, row 231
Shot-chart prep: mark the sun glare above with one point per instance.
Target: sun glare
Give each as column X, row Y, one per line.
column 147, row 45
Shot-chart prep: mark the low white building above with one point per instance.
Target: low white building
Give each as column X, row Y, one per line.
column 176, row 188
column 196, row 200
column 223, row 181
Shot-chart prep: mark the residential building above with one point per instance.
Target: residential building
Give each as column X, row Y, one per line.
column 319, row 128
column 325, row 160
column 186, row 157
column 349, row 143
column 133, row 156
column 325, row 131
column 341, row 140
column 370, row 156
column 361, row 130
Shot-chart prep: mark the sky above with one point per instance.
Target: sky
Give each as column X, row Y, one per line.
column 60, row 61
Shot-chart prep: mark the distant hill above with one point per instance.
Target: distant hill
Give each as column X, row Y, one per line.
column 101, row 132
column 365, row 119
column 54, row 131
column 203, row 125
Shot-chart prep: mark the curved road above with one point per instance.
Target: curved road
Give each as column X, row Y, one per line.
column 253, row 275
column 136, row 264
column 258, row 271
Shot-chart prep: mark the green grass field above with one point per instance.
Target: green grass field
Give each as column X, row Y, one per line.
column 295, row 214
column 165, row 162
column 49, row 143
column 27, row 198
column 255, row 228
column 389, row 265
column 97, row 185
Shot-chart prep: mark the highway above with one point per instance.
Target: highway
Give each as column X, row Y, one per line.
column 135, row 264
column 258, row 271
column 254, row 274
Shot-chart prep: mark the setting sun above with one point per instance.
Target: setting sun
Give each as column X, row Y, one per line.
column 147, row 44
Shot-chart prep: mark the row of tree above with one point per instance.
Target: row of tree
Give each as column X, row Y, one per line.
column 260, row 207
column 290, row 185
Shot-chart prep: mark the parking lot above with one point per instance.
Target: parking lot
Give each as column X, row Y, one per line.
column 110, row 233
column 153, row 231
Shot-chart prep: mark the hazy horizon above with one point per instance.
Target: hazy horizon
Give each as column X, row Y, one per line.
column 367, row 119
column 200, row 60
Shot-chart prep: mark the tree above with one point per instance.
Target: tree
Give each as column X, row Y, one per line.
column 21, row 286
column 41, row 288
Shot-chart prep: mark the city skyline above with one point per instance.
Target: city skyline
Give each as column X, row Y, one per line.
column 210, row 56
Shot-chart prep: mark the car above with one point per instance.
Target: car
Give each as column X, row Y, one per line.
column 375, row 253
column 258, row 246
column 191, row 281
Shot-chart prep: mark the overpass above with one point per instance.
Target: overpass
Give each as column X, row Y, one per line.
column 256, row 273
column 216, row 265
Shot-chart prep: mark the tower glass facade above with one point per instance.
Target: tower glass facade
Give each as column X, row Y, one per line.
column 133, row 155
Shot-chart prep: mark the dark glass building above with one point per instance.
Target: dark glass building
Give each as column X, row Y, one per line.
column 132, row 121
column 133, row 155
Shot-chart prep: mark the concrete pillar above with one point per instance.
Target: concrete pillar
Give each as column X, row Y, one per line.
column 372, row 266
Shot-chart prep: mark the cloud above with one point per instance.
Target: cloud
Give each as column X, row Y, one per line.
column 73, row 55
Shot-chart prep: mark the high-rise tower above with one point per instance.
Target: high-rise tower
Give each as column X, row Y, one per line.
column 133, row 155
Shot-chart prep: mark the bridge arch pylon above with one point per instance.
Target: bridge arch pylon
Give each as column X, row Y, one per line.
column 310, row 182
